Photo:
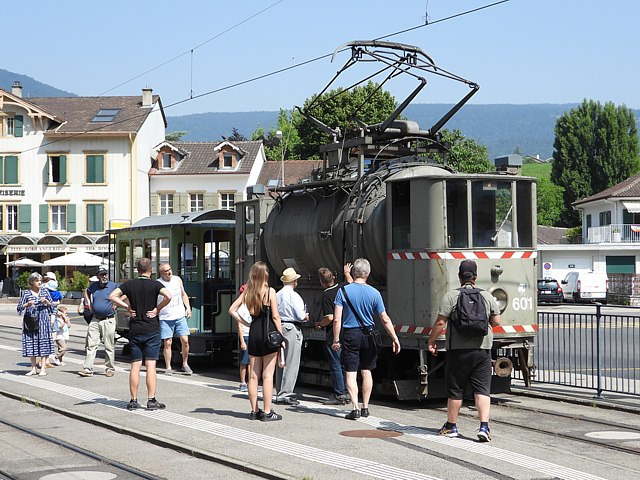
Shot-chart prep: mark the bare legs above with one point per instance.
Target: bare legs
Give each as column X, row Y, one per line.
column 261, row 367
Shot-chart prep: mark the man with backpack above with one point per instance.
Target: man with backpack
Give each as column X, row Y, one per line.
column 470, row 312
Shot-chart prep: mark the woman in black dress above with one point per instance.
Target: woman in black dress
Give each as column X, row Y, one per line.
column 262, row 304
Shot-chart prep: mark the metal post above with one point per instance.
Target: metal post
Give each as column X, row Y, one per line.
column 598, row 381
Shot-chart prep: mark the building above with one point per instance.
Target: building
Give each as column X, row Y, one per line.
column 72, row 167
column 194, row 176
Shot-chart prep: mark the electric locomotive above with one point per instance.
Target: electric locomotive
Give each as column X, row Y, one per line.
column 385, row 194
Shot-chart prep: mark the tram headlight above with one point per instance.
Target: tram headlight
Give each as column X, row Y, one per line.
column 501, row 297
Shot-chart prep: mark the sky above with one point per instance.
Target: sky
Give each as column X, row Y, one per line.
column 518, row 51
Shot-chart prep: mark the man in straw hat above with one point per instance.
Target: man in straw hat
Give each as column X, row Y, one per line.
column 293, row 314
column 468, row 357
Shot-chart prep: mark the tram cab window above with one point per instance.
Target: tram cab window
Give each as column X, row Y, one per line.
column 150, row 252
column 217, row 260
column 124, row 261
column 457, row 214
column 250, row 231
column 492, row 213
column 188, row 259
column 138, row 253
column 163, row 250
column 401, row 215
column 524, row 198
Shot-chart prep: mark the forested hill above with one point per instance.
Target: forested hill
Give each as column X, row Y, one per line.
column 502, row 128
column 30, row 86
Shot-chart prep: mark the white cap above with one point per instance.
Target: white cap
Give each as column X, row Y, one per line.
column 93, row 279
column 50, row 275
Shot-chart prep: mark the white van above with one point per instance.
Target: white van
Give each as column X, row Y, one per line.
column 585, row 286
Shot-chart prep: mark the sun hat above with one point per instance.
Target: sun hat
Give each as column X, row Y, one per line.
column 50, row 275
column 93, row 279
column 289, row 275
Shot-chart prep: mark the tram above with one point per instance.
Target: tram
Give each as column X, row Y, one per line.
column 200, row 247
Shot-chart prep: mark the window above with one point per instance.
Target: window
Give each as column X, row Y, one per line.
column 401, row 215
column 57, row 169
column 605, row 218
column 166, row 203
column 227, row 160
column 227, row 201
column 9, row 170
column 95, row 218
column 10, row 127
column 166, row 160
column 196, row 202
column 10, row 218
column 58, row 220
column 106, row 115
column 95, row 169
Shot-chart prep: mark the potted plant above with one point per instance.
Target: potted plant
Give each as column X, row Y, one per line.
column 616, row 235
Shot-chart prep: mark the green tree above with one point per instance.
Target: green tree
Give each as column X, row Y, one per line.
column 336, row 108
column 175, row 136
column 466, row 155
column 595, row 147
column 286, row 143
column 549, row 203
column 235, row 136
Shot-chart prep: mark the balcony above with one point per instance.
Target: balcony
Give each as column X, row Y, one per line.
column 614, row 233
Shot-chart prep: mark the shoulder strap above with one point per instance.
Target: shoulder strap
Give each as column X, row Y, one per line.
column 355, row 312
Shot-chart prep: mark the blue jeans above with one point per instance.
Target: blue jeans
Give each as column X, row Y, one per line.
column 335, row 371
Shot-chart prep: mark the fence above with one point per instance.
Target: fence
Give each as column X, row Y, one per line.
column 590, row 350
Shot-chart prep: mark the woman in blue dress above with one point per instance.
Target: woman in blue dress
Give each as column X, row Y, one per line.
column 36, row 302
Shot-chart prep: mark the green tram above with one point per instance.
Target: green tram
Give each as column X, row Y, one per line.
column 200, row 248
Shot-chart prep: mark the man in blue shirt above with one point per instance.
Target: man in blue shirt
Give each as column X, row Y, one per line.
column 358, row 306
column 102, row 326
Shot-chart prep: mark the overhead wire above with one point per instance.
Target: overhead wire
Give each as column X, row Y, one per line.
column 253, row 79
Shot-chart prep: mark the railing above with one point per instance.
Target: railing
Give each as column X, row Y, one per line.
column 590, row 350
column 614, row 233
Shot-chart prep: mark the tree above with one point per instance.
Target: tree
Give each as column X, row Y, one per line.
column 286, row 143
column 549, row 203
column 175, row 136
column 335, row 108
column 236, row 136
column 466, row 155
column 595, row 147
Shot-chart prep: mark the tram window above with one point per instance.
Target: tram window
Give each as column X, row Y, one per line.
column 524, row 201
column 189, row 267
column 401, row 215
column 125, row 261
column 138, row 252
column 217, row 260
column 492, row 218
column 457, row 214
column 249, row 230
column 150, row 252
column 163, row 250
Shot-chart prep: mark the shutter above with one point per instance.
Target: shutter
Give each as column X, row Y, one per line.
column 45, row 172
column 182, row 203
column 63, row 169
column 24, row 218
column 44, row 218
column 99, row 218
column 71, row 218
column 18, row 125
column 91, row 169
column 153, row 204
column 11, row 170
column 99, row 168
column 209, row 201
column 1, row 170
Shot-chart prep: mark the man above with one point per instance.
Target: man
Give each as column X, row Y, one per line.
column 331, row 287
column 358, row 306
column 292, row 315
column 102, row 326
column 468, row 357
column 144, row 329
column 173, row 318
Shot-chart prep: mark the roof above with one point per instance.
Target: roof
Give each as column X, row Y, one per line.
column 625, row 189
column 200, row 218
column 76, row 113
column 552, row 235
column 294, row 171
column 200, row 158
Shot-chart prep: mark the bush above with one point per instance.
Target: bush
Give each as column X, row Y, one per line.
column 23, row 280
column 79, row 282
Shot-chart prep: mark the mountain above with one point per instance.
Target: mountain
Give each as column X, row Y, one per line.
column 30, row 86
column 502, row 128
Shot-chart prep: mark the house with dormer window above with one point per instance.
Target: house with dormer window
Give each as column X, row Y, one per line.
column 194, row 176
column 72, row 166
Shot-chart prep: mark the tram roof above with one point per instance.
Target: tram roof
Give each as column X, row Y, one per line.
column 203, row 218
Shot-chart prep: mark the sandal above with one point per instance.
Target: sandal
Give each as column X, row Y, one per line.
column 30, row 372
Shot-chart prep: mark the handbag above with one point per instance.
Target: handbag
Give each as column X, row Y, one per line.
column 371, row 332
column 87, row 314
column 31, row 321
column 272, row 338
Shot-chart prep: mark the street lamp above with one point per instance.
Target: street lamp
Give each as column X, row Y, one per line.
column 279, row 135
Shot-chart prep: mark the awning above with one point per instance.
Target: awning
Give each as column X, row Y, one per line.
column 632, row 207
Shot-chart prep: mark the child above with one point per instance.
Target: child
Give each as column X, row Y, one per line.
column 61, row 333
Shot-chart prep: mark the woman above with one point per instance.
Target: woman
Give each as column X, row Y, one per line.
column 36, row 302
column 259, row 298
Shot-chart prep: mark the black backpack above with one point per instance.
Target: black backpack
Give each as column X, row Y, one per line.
column 470, row 314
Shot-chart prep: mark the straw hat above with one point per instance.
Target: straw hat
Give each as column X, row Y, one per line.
column 289, row 275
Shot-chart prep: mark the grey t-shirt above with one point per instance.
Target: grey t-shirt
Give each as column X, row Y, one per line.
column 455, row 341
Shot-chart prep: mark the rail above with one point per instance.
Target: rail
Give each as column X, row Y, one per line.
column 590, row 350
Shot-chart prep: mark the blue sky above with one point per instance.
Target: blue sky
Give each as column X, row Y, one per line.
column 521, row 51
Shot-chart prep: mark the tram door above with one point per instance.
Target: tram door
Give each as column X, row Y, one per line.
column 218, row 286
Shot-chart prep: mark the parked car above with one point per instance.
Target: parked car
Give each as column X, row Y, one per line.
column 549, row 290
column 585, row 286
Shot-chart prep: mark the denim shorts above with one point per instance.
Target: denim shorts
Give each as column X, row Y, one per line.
column 145, row 346
column 357, row 351
column 169, row 328
column 243, row 357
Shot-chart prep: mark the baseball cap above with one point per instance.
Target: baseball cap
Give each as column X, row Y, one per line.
column 102, row 270
column 468, row 269
column 50, row 275
column 93, row 279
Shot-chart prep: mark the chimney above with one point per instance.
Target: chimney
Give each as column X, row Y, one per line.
column 147, row 97
column 16, row 89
